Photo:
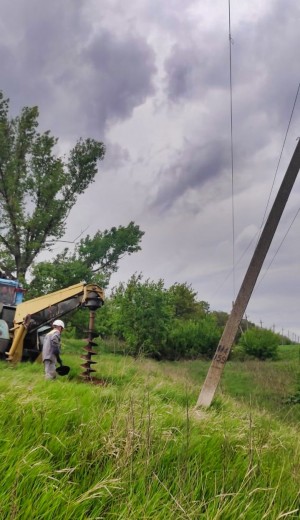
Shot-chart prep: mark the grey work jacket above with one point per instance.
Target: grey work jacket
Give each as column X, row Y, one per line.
column 51, row 346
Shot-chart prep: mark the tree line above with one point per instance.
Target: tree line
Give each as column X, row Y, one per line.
column 144, row 318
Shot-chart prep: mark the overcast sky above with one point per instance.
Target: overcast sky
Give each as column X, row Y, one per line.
column 151, row 79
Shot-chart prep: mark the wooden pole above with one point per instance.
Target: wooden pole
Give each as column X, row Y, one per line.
column 221, row 355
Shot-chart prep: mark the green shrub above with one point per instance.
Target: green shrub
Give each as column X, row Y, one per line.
column 192, row 339
column 260, row 343
column 238, row 353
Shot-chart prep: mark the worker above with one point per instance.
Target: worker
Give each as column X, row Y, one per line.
column 51, row 349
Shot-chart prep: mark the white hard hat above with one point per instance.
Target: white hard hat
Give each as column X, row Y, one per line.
column 58, row 323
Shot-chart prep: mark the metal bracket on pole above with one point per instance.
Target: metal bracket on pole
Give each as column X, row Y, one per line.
column 221, row 355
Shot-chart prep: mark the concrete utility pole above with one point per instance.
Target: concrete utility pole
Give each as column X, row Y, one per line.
column 221, row 355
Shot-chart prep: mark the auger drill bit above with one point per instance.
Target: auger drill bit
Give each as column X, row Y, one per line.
column 92, row 303
column 89, row 350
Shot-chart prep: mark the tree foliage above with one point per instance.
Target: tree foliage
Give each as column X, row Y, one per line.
column 37, row 188
column 94, row 260
column 143, row 313
column 184, row 300
column 185, row 303
column 158, row 322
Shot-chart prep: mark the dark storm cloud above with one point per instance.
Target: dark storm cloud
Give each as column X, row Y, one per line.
column 171, row 16
column 193, row 167
column 262, row 58
column 265, row 80
column 191, row 70
column 119, row 73
column 41, row 37
column 54, row 60
column 265, row 56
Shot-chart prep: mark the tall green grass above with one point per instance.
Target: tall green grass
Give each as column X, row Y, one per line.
column 135, row 448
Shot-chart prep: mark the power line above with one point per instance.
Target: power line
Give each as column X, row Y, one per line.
column 231, row 147
column 279, row 247
column 234, row 263
column 280, row 156
column 252, row 240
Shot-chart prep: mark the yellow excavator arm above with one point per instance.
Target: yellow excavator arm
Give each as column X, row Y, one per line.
column 35, row 313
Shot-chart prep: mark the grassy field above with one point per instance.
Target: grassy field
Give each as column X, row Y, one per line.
column 135, row 448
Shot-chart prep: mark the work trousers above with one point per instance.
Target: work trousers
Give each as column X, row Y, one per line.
column 50, row 369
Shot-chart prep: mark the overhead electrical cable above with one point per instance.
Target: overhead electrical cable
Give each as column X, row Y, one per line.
column 279, row 247
column 231, row 148
column 234, row 263
column 280, row 156
column 257, row 233
column 288, row 230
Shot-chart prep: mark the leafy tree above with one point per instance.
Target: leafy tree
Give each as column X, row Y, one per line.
column 143, row 315
column 184, row 300
column 260, row 343
column 203, row 308
column 94, row 260
column 37, row 188
column 221, row 318
column 185, row 303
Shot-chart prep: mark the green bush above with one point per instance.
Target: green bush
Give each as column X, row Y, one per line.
column 192, row 339
column 142, row 316
column 260, row 343
column 238, row 353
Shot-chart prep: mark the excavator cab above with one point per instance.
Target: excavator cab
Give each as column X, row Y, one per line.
column 11, row 292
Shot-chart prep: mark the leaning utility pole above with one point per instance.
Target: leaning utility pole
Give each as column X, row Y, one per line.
column 214, row 373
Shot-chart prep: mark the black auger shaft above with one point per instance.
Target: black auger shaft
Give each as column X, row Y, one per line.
column 89, row 350
column 93, row 302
